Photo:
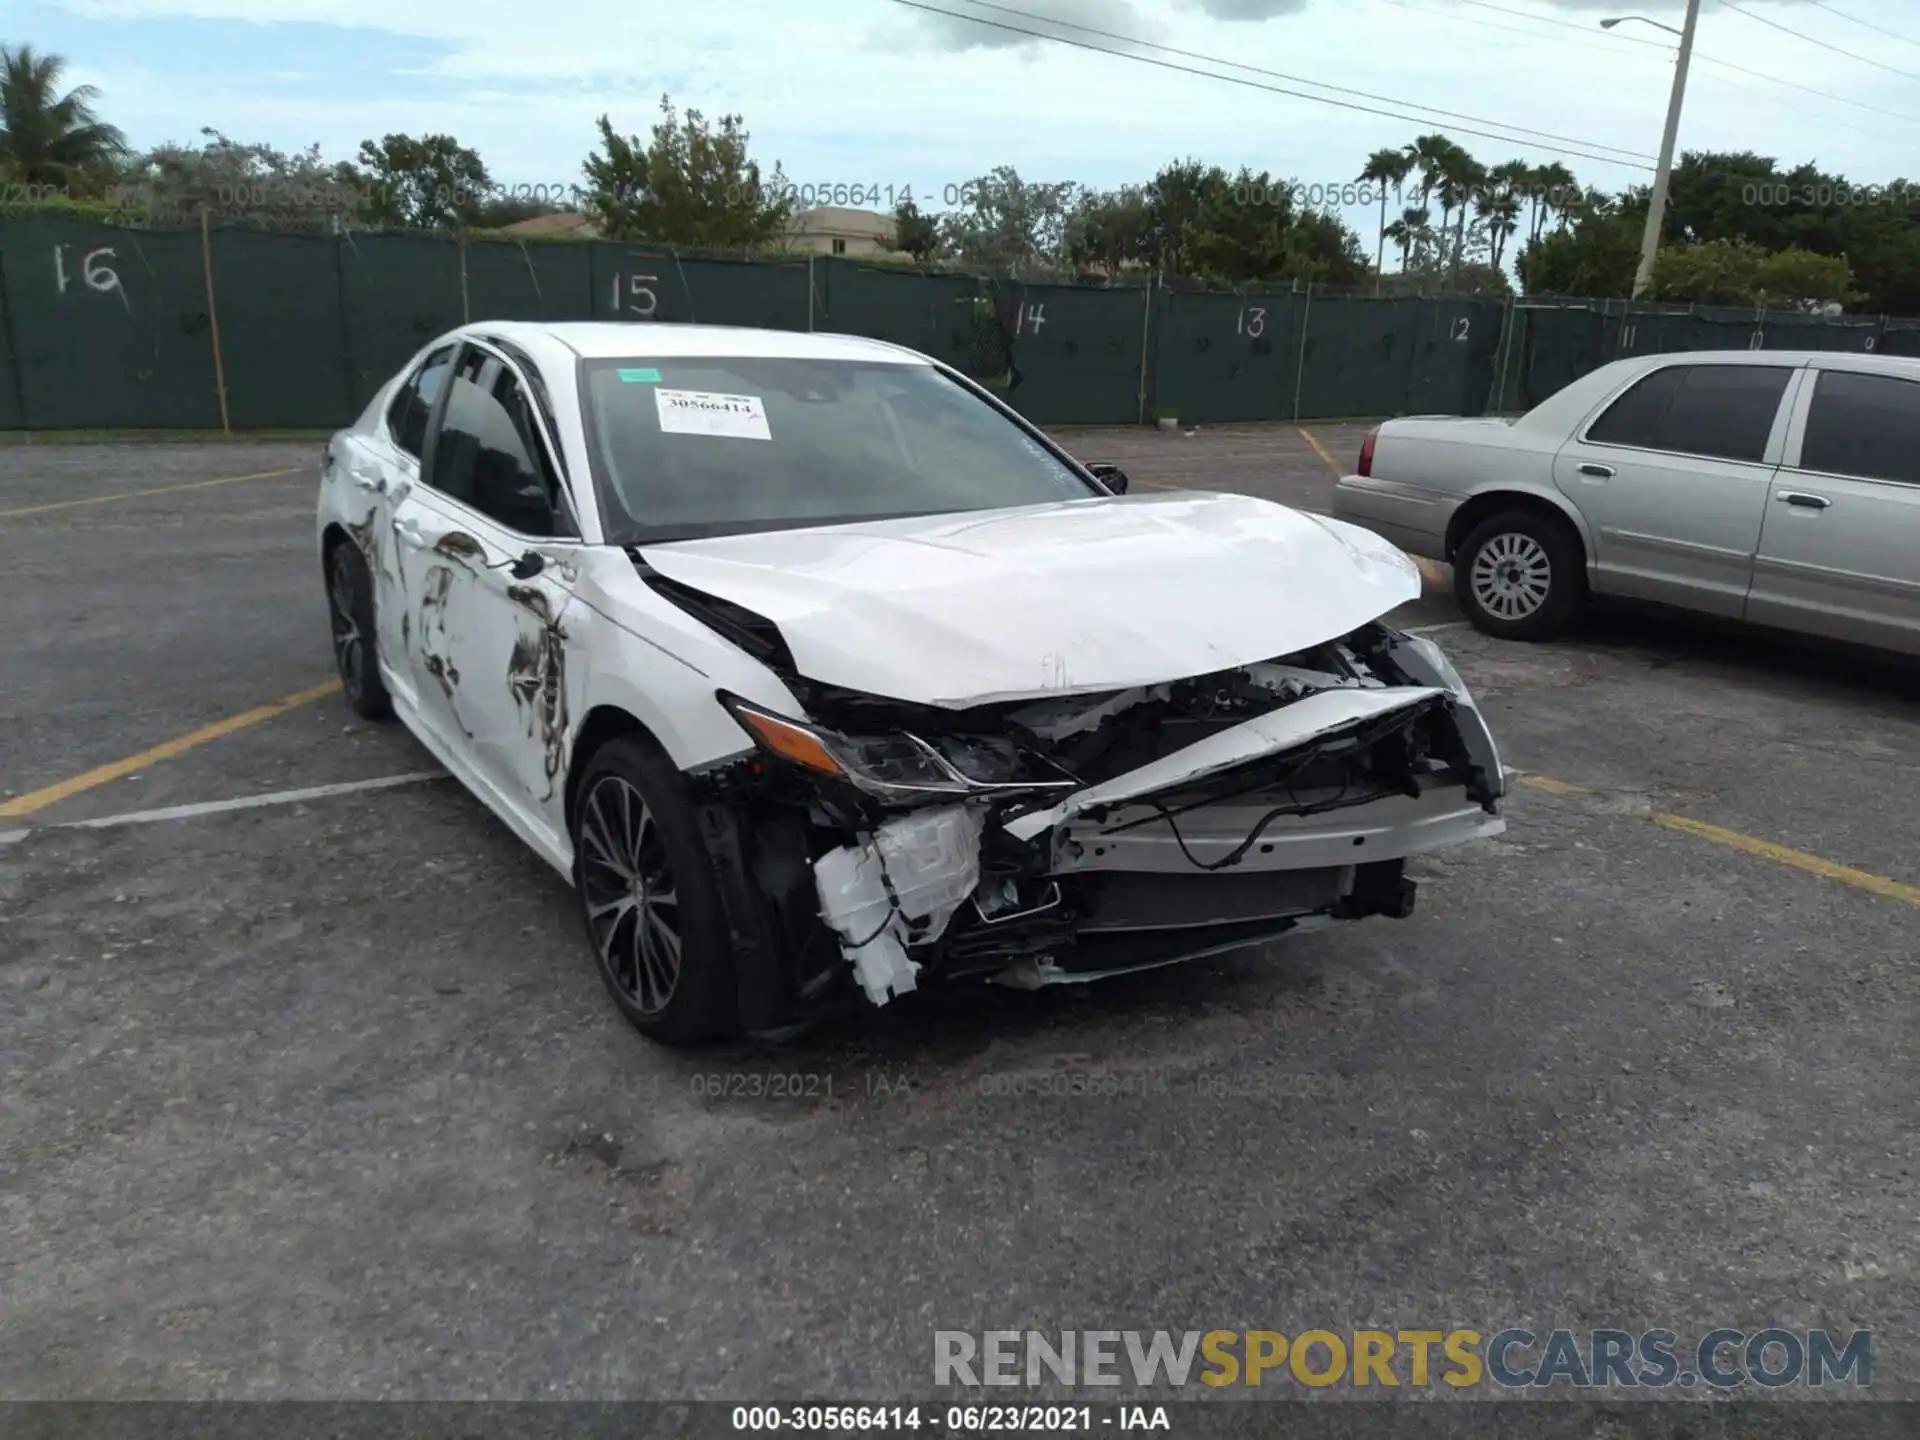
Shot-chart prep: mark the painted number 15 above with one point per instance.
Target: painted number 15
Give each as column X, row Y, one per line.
column 635, row 296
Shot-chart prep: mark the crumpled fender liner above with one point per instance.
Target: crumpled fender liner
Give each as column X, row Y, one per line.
column 762, row 987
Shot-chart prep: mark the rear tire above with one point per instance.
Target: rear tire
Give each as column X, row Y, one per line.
column 356, row 648
column 648, row 897
column 1520, row 575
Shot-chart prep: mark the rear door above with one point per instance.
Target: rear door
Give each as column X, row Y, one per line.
column 382, row 471
column 1840, row 550
column 1673, row 477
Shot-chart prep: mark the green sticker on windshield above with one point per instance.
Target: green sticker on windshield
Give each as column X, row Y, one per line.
column 640, row 377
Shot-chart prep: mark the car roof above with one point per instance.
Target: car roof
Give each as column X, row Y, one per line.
column 624, row 340
column 1840, row 359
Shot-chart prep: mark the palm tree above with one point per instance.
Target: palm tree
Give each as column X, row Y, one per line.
column 48, row 138
column 1429, row 155
column 1499, row 206
column 1469, row 177
column 1554, row 190
column 1409, row 231
column 1384, row 168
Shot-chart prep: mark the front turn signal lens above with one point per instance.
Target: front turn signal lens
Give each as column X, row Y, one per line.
column 789, row 741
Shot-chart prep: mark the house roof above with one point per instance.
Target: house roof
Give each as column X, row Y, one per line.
column 567, row 222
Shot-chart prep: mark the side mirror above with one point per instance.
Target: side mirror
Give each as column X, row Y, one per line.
column 528, row 565
column 1109, row 475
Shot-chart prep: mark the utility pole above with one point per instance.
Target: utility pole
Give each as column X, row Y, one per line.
column 1657, row 207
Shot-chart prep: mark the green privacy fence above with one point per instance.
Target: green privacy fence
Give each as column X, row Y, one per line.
column 110, row 328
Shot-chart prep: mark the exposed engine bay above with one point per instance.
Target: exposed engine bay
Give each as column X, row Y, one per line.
column 1059, row 838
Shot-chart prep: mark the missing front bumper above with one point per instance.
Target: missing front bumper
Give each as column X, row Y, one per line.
column 1201, row 851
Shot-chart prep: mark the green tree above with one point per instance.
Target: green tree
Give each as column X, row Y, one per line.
column 50, row 138
column 1108, row 230
column 425, row 182
column 1006, row 223
column 690, row 185
column 1174, row 199
column 1597, row 256
column 244, row 183
column 915, row 234
column 1385, row 168
column 1738, row 272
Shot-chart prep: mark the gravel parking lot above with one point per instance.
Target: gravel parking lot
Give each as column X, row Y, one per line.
column 323, row 1098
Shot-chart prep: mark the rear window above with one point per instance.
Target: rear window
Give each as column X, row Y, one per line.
column 1723, row 411
column 684, row 448
column 1865, row 425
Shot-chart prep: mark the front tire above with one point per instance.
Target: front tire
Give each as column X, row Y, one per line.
column 356, row 652
column 648, row 897
column 1520, row 575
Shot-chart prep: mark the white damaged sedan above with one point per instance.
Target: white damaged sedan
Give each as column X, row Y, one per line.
column 820, row 673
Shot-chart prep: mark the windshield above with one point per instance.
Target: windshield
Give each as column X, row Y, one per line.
column 687, row 447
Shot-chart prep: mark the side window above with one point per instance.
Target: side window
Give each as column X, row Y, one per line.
column 1635, row 418
column 488, row 454
column 1865, row 425
column 413, row 402
column 1724, row 411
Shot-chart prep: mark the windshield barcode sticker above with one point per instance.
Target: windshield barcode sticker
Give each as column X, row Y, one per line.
column 698, row 412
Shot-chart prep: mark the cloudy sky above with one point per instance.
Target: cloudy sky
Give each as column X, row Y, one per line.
column 884, row 94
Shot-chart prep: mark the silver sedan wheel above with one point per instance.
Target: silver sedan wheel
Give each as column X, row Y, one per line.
column 1511, row 576
column 633, row 904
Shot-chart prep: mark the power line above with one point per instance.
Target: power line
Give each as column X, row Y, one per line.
column 1700, row 57
column 1515, row 29
column 1787, row 30
column 1302, row 80
column 1865, row 24
column 1258, row 85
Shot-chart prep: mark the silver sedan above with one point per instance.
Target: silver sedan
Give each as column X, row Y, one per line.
column 1777, row 488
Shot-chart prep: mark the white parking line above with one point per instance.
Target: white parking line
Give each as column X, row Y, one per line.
column 1435, row 629
column 218, row 807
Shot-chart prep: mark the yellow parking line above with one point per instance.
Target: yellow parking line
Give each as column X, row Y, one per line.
column 1320, row 450
column 1799, row 859
column 1750, row 844
column 39, row 799
column 1550, row 785
column 156, row 490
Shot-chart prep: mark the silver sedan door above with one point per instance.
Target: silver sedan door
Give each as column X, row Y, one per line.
column 1840, row 552
column 1672, row 478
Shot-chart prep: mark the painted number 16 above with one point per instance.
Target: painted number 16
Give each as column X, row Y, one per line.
column 98, row 276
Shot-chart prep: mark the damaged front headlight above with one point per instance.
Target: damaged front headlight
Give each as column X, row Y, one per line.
column 899, row 768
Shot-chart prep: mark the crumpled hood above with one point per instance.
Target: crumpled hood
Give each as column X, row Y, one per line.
column 1076, row 597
